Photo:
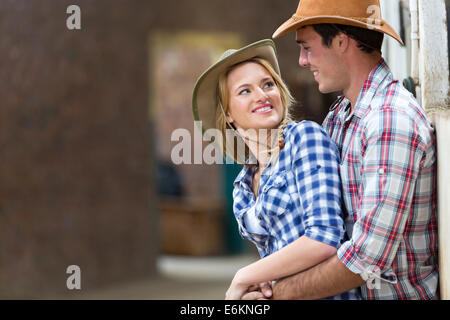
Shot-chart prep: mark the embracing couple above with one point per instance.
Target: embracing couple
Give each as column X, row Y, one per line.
column 346, row 210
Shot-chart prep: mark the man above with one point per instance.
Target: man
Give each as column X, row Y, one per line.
column 388, row 160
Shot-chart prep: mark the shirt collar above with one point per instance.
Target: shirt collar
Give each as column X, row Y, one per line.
column 377, row 76
column 244, row 178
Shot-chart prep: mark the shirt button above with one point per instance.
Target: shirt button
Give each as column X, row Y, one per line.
column 381, row 171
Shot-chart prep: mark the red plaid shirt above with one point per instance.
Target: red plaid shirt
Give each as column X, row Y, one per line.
column 388, row 172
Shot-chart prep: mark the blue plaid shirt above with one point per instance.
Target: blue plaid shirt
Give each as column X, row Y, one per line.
column 300, row 194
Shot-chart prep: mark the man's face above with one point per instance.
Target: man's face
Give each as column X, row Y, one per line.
column 324, row 62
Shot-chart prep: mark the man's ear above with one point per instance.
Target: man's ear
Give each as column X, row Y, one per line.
column 343, row 41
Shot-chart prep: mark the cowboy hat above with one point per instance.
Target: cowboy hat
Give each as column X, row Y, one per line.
column 204, row 101
column 365, row 14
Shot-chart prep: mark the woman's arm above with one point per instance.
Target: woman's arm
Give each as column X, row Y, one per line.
column 297, row 256
column 315, row 167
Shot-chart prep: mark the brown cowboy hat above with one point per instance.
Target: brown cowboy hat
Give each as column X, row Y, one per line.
column 358, row 13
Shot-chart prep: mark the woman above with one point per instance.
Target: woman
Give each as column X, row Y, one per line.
column 287, row 196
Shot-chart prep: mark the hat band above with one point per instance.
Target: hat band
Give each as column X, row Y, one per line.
column 369, row 21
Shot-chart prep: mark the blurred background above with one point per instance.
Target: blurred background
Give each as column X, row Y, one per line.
column 86, row 176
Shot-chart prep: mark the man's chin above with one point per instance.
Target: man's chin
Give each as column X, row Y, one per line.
column 326, row 90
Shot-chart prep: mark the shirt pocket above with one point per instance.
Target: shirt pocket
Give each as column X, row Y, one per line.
column 276, row 197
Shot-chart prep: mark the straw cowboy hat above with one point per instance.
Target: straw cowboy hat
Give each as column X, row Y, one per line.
column 358, row 13
column 204, row 101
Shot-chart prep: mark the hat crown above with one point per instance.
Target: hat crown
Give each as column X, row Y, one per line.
column 368, row 9
column 226, row 54
column 364, row 14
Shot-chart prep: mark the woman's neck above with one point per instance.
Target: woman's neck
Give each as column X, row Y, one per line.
column 261, row 147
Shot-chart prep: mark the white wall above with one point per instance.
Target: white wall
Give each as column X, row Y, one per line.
column 433, row 94
column 396, row 55
column 434, row 80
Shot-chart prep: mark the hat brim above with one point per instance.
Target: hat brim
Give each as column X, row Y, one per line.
column 295, row 23
column 204, row 95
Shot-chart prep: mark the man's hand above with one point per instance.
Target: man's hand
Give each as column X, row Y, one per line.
column 263, row 291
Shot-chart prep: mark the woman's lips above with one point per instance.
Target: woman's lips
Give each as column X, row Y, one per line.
column 265, row 108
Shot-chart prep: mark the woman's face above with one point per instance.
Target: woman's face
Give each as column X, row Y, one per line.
column 254, row 98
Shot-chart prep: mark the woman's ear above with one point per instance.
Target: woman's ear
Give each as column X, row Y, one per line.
column 229, row 118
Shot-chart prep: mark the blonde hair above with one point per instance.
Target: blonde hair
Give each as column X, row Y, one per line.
column 223, row 125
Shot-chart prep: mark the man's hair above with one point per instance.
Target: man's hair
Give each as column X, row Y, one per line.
column 368, row 40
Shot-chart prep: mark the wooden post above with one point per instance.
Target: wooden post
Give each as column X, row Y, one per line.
column 434, row 83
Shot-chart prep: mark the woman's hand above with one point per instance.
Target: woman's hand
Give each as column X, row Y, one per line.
column 237, row 287
column 235, row 291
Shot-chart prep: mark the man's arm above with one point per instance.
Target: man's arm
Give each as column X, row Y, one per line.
column 326, row 279
column 295, row 257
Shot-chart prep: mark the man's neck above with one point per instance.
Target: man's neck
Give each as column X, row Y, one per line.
column 359, row 71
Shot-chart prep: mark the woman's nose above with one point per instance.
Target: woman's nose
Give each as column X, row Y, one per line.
column 261, row 95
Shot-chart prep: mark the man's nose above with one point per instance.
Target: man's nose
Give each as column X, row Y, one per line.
column 303, row 60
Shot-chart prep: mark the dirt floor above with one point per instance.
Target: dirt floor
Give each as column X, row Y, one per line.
column 179, row 278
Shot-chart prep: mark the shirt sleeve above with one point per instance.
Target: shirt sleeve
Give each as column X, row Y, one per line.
column 316, row 169
column 391, row 155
